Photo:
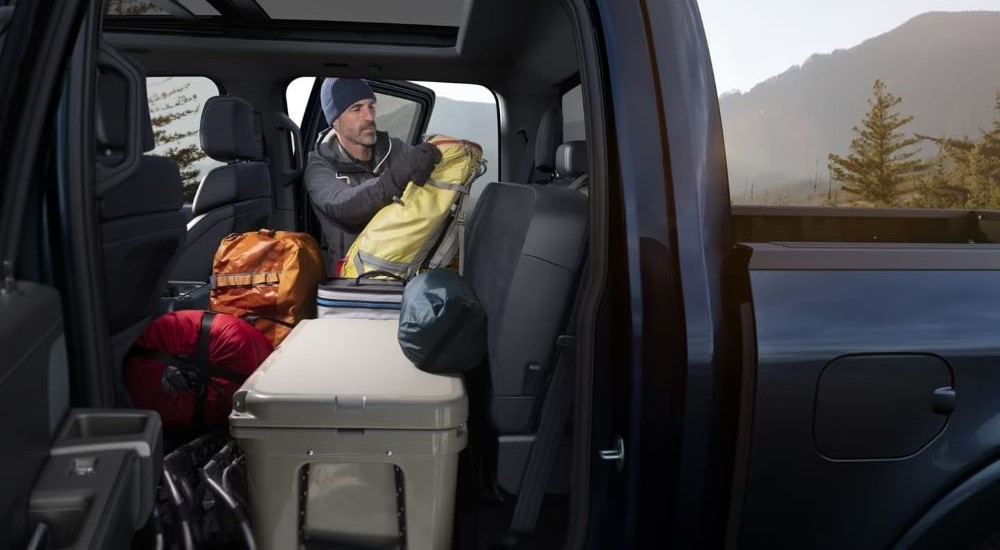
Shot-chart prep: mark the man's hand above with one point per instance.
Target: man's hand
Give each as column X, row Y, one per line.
column 416, row 166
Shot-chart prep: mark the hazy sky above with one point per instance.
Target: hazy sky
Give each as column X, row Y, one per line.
column 753, row 40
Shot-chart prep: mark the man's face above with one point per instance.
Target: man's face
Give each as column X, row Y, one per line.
column 357, row 123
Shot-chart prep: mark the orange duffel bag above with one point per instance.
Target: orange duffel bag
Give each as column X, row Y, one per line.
column 268, row 278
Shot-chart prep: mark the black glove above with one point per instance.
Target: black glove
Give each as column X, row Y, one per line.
column 416, row 166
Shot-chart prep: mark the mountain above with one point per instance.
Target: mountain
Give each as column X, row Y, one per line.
column 944, row 66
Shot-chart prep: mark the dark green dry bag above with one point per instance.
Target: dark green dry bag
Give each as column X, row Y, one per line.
column 442, row 326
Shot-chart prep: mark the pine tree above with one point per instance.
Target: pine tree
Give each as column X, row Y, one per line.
column 987, row 161
column 881, row 161
column 131, row 7
column 942, row 187
column 973, row 173
column 165, row 108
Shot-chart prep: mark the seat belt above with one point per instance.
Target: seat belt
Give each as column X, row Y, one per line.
column 554, row 414
column 201, row 359
column 541, row 460
column 579, row 183
column 526, row 167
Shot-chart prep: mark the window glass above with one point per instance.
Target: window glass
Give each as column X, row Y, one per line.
column 297, row 96
column 467, row 111
column 850, row 103
column 397, row 116
column 572, row 112
column 133, row 8
column 175, row 104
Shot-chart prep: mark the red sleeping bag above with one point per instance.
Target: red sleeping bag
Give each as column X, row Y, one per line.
column 166, row 370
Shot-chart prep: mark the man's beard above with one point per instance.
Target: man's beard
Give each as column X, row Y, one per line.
column 362, row 138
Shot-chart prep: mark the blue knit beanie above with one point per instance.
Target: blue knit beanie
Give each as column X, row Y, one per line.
column 337, row 94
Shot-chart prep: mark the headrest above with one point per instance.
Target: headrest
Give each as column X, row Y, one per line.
column 548, row 137
column 571, row 159
column 227, row 129
column 112, row 104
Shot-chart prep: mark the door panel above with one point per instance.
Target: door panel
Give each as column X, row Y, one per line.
column 851, row 461
column 31, row 335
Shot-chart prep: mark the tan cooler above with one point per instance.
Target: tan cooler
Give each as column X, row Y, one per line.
column 348, row 443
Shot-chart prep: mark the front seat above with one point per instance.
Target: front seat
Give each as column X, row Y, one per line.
column 141, row 223
column 231, row 199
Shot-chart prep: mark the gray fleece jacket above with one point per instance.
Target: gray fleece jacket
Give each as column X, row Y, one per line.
column 345, row 193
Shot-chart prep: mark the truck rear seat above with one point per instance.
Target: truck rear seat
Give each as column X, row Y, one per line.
column 525, row 252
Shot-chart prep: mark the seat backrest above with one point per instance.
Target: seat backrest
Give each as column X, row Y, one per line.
column 234, row 198
column 525, row 249
column 141, row 223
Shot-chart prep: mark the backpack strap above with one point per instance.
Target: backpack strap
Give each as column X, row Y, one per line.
column 252, row 319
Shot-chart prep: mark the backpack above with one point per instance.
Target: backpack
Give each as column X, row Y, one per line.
column 401, row 235
column 268, row 278
column 187, row 365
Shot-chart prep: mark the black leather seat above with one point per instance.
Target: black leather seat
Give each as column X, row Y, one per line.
column 141, row 223
column 234, row 198
column 525, row 251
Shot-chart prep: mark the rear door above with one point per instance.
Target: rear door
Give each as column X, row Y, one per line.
column 678, row 350
column 35, row 42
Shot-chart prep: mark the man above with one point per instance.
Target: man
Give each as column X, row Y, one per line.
column 355, row 170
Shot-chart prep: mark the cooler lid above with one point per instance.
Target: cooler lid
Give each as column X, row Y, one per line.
column 347, row 373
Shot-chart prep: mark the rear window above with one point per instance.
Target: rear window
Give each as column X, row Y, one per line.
column 572, row 114
column 175, row 104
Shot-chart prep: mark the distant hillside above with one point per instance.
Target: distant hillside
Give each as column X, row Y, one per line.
column 944, row 66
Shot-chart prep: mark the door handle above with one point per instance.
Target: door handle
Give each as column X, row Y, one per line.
column 617, row 454
column 944, row 400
